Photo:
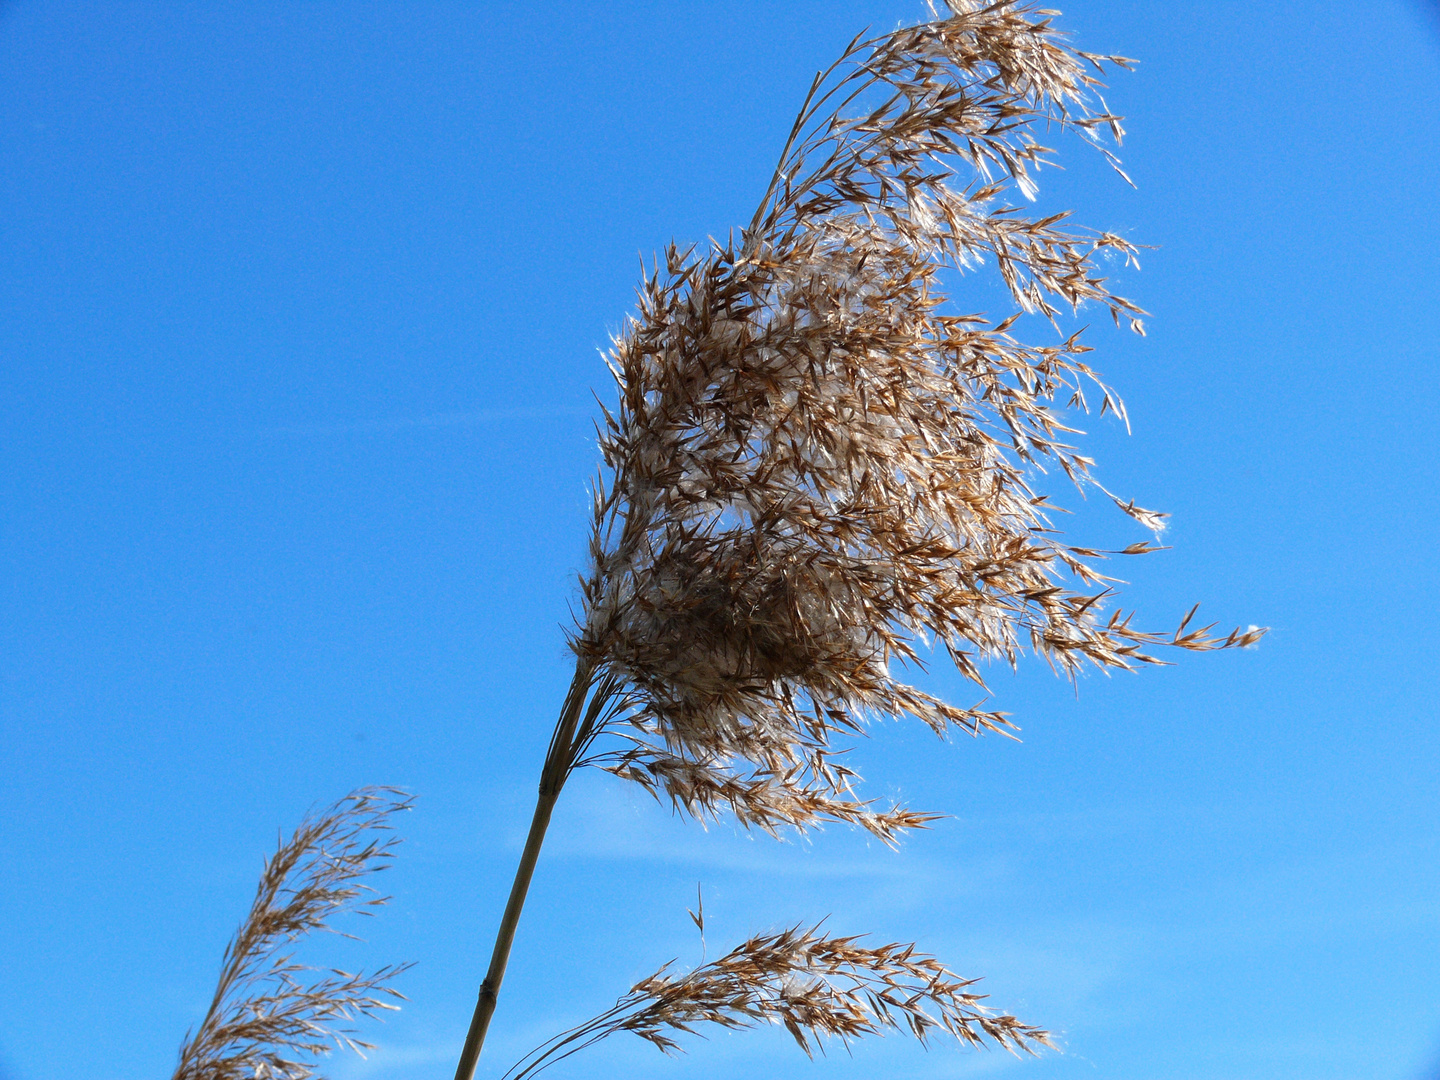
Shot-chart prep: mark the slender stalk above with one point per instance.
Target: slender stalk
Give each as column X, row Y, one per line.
column 490, row 988
column 552, row 779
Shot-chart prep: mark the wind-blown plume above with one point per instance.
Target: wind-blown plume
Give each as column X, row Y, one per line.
column 808, row 982
column 270, row 1019
column 816, row 467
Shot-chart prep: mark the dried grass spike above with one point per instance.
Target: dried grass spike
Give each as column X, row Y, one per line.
column 817, row 470
column 814, row 985
column 271, row 1018
column 820, row 471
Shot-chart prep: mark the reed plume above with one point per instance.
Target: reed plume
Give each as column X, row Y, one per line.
column 819, row 469
column 271, row 1018
column 808, row 982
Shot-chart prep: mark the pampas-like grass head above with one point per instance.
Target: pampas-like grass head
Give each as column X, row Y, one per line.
column 819, row 470
column 817, row 466
column 271, row 1018
column 813, row 984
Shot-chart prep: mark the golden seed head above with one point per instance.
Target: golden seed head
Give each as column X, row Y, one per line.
column 816, row 466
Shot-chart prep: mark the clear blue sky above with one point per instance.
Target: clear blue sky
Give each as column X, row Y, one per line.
column 300, row 310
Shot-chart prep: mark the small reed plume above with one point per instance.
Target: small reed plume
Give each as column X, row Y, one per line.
column 271, row 1018
column 806, row 981
column 819, row 469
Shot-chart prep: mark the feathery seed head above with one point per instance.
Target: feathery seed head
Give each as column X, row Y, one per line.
column 268, row 1019
column 814, row 985
column 816, row 467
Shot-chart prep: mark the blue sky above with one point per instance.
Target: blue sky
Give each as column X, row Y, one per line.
column 300, row 311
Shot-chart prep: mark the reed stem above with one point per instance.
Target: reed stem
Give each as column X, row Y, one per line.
column 552, row 779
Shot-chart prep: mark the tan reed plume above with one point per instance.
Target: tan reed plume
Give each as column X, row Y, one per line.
column 817, row 468
column 271, row 1018
column 812, row 984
